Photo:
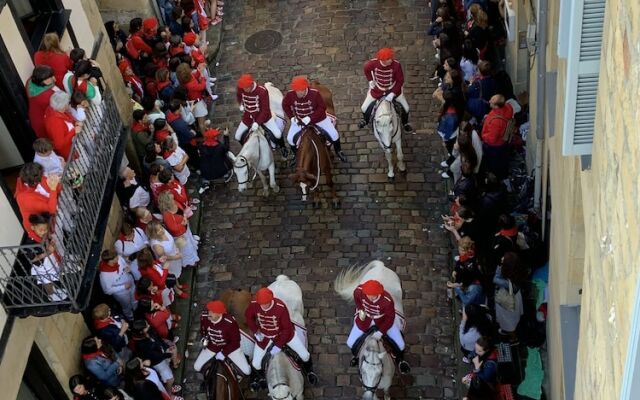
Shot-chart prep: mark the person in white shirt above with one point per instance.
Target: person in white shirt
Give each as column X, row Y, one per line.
column 116, row 280
column 177, row 158
column 130, row 241
column 52, row 163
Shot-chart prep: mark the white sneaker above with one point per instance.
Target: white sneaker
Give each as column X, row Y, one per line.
column 196, row 238
column 444, row 164
column 214, row 97
column 212, row 79
column 445, row 175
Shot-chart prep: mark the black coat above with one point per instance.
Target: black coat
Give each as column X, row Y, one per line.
column 213, row 161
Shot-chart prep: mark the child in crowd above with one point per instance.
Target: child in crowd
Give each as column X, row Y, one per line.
column 52, row 163
column 112, row 329
column 80, row 80
column 177, row 158
column 117, row 281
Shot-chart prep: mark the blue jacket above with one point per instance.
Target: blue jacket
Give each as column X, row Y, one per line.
column 104, row 369
column 448, row 125
column 473, row 294
column 478, row 95
column 111, row 334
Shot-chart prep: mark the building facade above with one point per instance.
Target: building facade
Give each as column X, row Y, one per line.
column 584, row 117
column 39, row 353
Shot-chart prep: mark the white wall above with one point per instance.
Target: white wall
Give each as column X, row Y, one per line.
column 9, row 154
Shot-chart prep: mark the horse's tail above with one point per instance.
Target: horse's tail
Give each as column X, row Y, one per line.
column 281, row 278
column 347, row 280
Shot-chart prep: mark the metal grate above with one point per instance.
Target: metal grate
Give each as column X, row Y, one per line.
column 57, row 280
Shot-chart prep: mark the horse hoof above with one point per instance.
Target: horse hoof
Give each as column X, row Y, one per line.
column 402, row 169
column 275, row 188
column 264, row 192
column 391, row 178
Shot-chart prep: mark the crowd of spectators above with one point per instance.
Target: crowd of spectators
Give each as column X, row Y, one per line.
column 478, row 122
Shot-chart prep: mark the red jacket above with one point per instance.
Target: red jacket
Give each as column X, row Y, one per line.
column 274, row 323
column 223, row 335
column 195, row 86
column 495, row 124
column 38, row 104
column 173, row 223
column 33, row 202
column 381, row 312
column 156, row 298
column 178, row 191
column 139, row 44
column 59, row 62
column 311, row 105
column 158, row 320
column 156, row 274
column 256, row 105
column 61, row 129
column 388, row 79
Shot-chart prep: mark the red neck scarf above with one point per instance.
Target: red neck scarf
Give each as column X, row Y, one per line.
column 467, row 255
column 91, row 356
column 102, row 323
column 509, row 232
column 106, row 267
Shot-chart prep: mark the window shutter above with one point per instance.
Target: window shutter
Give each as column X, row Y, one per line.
column 583, row 66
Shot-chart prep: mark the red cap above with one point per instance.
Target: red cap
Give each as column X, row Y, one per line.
column 245, row 81
column 149, row 24
column 299, row 83
column 217, row 307
column 123, row 65
column 372, row 288
column 211, row 133
column 189, row 38
column 385, row 54
column 264, row 296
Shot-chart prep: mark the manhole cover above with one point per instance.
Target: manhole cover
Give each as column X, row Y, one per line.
column 263, row 42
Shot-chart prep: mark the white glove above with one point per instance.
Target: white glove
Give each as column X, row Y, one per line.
column 254, row 126
column 259, row 336
column 294, row 120
column 275, row 350
column 306, row 120
column 390, row 96
column 205, row 342
column 362, row 315
column 372, row 84
column 377, row 335
column 241, row 108
column 220, row 356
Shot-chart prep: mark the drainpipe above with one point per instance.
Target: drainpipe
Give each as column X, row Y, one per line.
column 541, row 71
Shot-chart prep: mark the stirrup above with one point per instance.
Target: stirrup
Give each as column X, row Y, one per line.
column 407, row 127
column 312, row 378
column 362, row 123
column 354, row 361
column 341, row 156
column 404, row 367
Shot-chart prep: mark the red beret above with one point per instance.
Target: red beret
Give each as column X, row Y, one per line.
column 189, row 38
column 385, row 54
column 372, row 288
column 123, row 65
column 216, row 307
column 299, row 83
column 264, row 296
column 245, row 81
column 150, row 24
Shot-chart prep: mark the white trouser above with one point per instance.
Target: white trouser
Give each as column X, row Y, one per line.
column 270, row 124
column 370, row 99
column 236, row 356
column 393, row 333
column 294, row 344
column 325, row 125
column 127, row 301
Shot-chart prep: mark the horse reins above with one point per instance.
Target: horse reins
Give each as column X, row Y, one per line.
column 395, row 132
column 246, row 164
column 371, row 389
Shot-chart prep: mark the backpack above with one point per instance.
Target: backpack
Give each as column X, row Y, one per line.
column 132, row 51
column 506, row 298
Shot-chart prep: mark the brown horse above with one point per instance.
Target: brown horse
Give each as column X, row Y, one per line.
column 313, row 158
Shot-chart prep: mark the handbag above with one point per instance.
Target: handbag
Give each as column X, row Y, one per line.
column 171, row 281
column 505, row 298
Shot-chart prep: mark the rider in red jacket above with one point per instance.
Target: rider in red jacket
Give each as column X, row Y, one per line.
column 375, row 308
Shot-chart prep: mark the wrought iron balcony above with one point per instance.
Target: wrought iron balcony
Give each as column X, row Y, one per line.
column 63, row 281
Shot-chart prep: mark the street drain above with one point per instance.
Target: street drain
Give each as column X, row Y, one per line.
column 263, row 42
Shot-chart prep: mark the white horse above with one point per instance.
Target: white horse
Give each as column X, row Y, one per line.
column 255, row 154
column 375, row 364
column 285, row 382
column 387, row 129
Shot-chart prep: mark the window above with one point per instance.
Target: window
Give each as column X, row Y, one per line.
column 583, row 71
column 38, row 381
column 35, row 18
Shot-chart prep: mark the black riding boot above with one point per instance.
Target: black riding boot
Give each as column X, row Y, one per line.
column 366, row 116
column 403, row 366
column 283, row 147
column 307, row 368
column 292, row 162
column 404, row 116
column 337, row 147
column 258, row 380
column 354, row 359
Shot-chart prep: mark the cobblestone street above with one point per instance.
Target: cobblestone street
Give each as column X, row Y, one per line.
column 247, row 240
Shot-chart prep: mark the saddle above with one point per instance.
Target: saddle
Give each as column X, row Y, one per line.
column 293, row 357
column 267, row 133
column 319, row 131
column 389, row 345
column 211, row 371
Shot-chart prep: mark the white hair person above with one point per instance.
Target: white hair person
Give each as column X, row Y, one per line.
column 59, row 101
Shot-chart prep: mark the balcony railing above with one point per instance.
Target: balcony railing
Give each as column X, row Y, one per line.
column 63, row 280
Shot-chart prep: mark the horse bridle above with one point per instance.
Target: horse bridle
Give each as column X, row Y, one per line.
column 246, row 162
column 285, row 397
column 395, row 132
column 371, row 389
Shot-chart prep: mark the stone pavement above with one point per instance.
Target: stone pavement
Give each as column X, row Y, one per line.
column 248, row 240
